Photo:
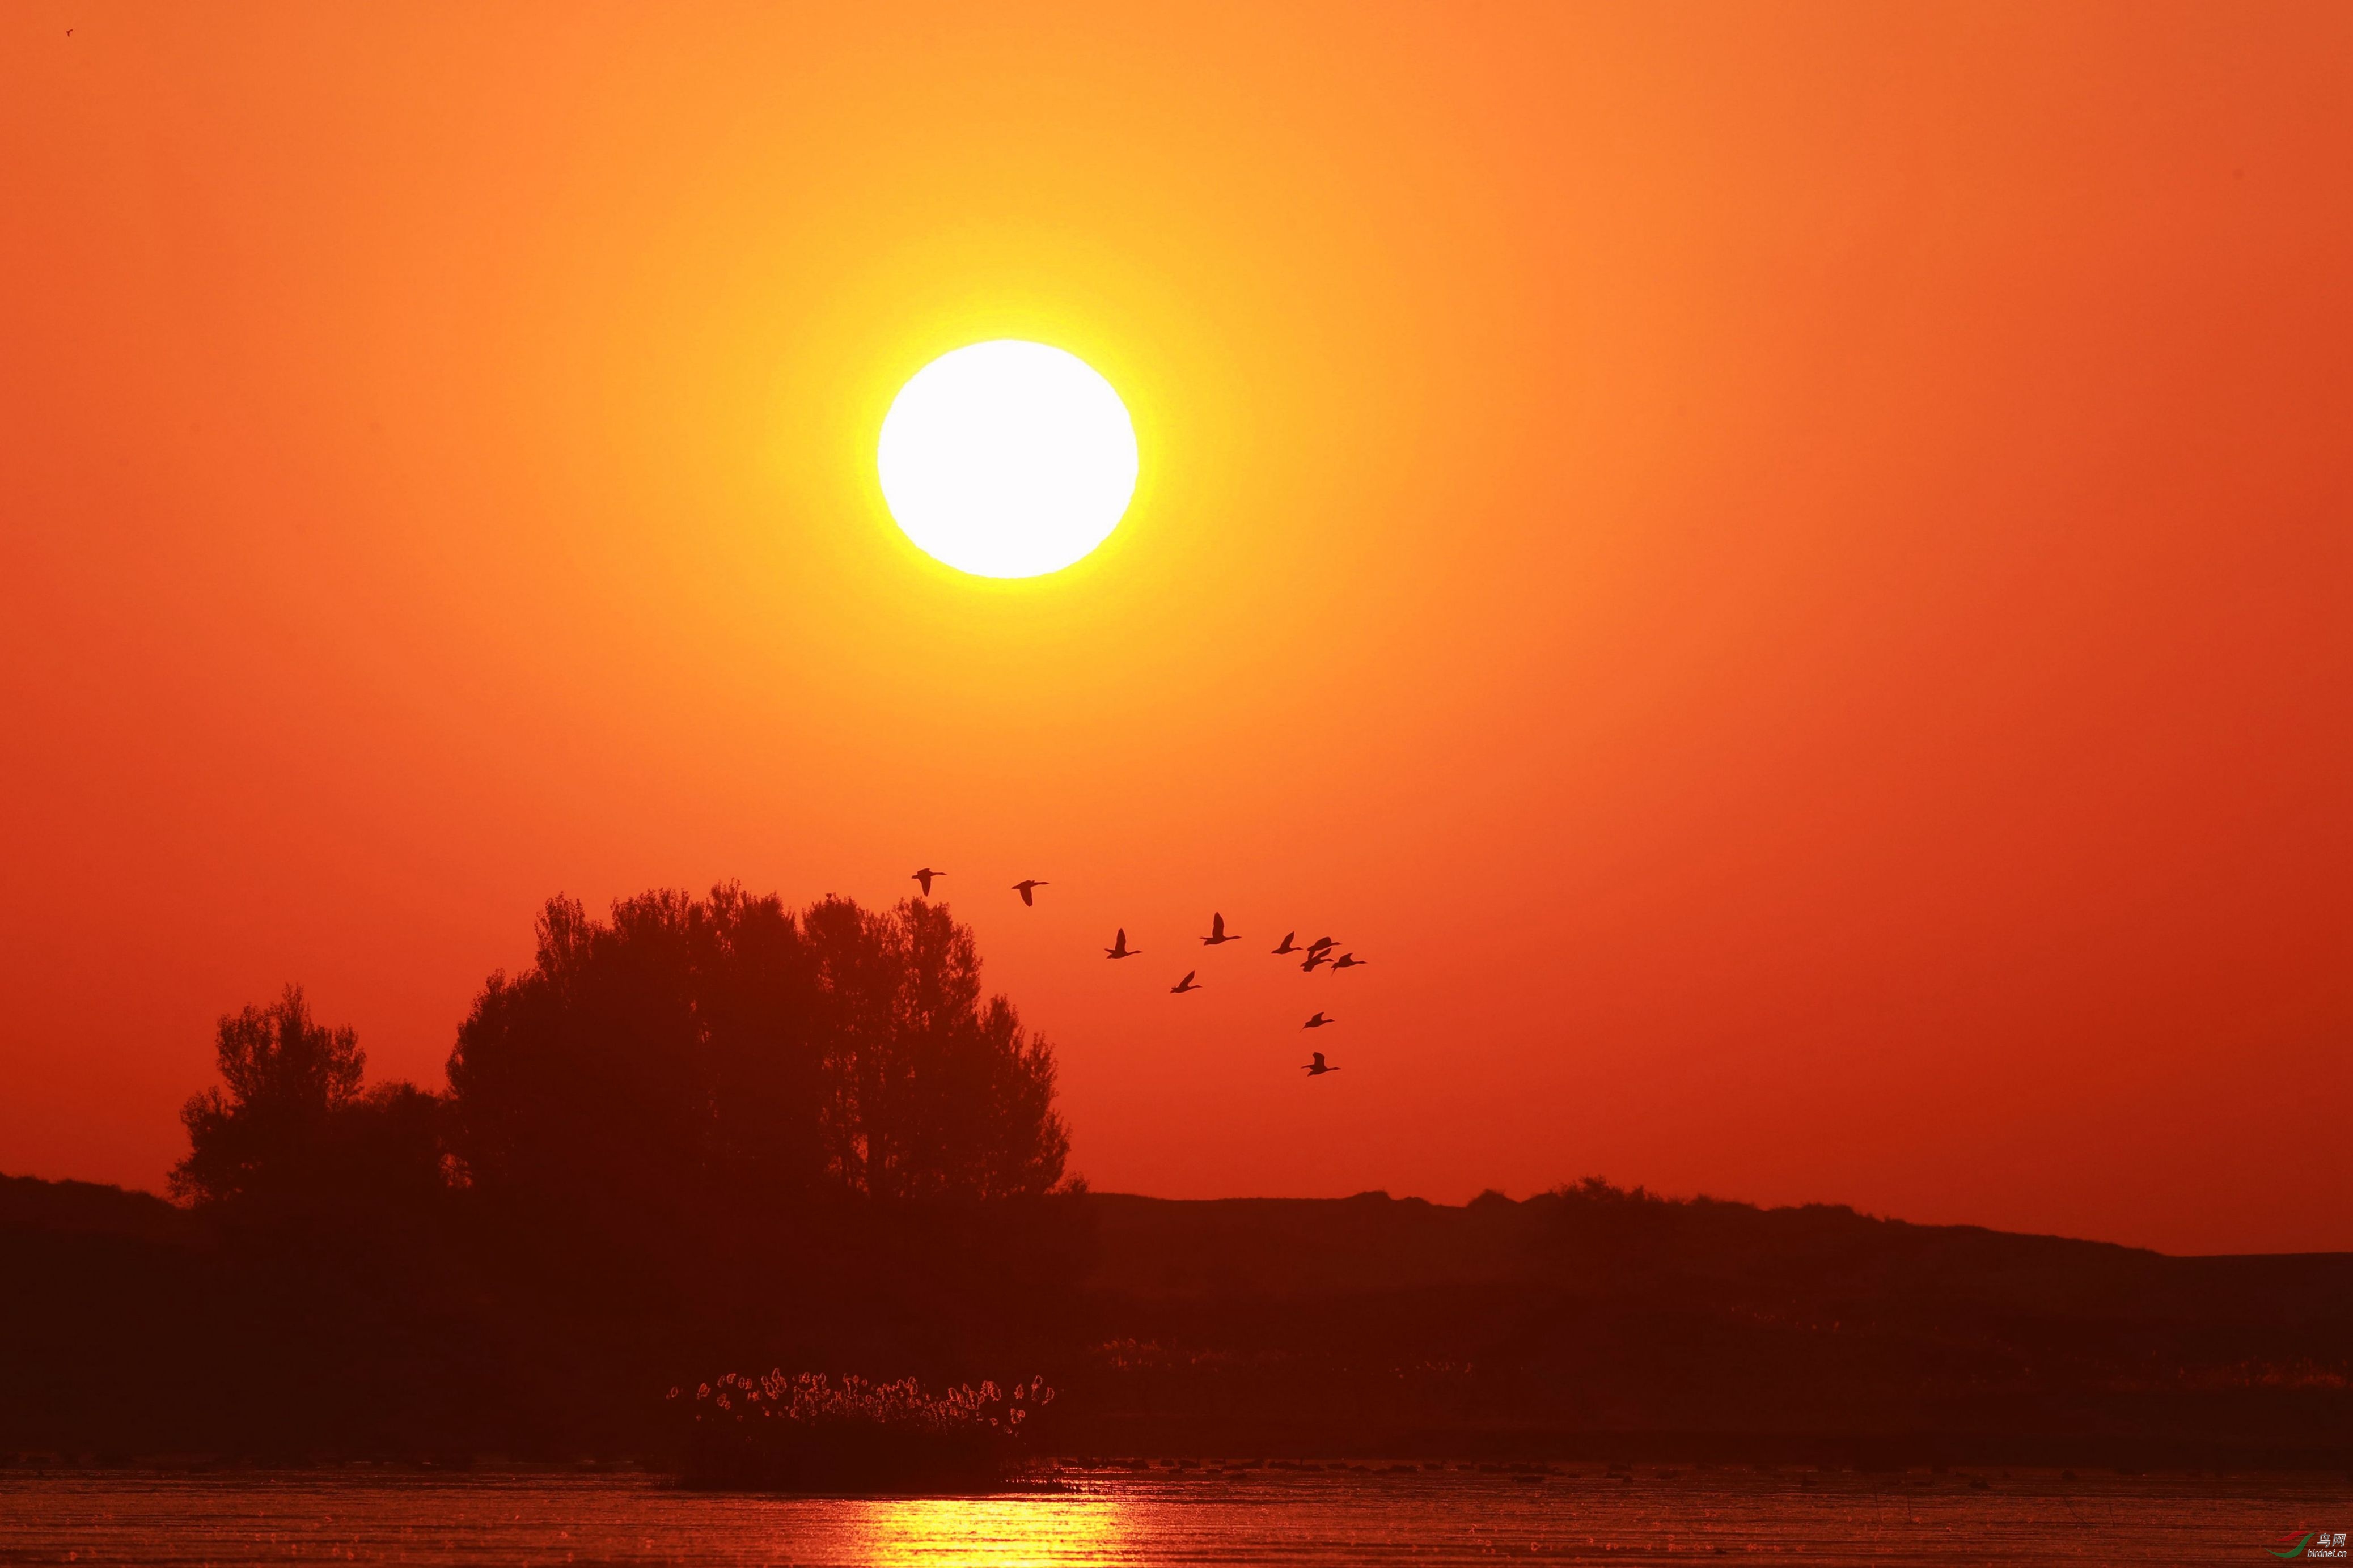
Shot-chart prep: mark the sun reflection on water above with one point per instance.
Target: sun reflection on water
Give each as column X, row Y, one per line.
column 993, row 1532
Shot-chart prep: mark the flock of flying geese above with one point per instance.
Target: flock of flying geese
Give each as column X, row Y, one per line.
column 1319, row 952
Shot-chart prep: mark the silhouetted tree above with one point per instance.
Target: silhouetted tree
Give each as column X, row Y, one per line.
column 692, row 1055
column 643, row 1072
column 931, row 1092
column 284, row 1077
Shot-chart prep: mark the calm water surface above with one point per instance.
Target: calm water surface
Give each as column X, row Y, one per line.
column 1123, row 1518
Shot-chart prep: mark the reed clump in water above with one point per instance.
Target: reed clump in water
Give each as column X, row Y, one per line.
column 805, row 1433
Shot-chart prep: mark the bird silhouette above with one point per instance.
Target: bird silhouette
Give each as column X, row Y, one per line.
column 1218, row 932
column 1185, row 984
column 1318, row 1022
column 1314, row 958
column 1288, row 946
column 1119, row 948
column 1320, row 943
column 1347, row 961
column 1027, row 886
column 1316, row 1067
column 924, row 878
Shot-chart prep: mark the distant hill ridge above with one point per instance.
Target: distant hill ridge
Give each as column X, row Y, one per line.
column 1590, row 1232
column 1598, row 1322
column 1591, row 1321
column 91, row 1208
column 1601, row 1238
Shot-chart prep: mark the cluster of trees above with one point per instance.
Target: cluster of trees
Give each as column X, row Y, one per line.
column 696, row 1132
column 684, row 1057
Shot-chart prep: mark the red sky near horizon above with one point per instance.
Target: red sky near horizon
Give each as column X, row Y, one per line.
column 1785, row 573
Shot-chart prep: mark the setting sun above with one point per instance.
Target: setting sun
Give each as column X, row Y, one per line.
column 1007, row 458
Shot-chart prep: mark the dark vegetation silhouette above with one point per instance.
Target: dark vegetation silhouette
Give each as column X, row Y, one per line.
column 698, row 1132
column 290, row 1126
column 1596, row 1322
column 691, row 1055
column 711, row 1133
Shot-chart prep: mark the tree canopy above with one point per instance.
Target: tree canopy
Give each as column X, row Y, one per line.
column 682, row 1059
column 289, row 1123
column 688, row 1052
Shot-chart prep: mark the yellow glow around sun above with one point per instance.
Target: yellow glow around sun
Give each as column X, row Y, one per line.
column 1007, row 458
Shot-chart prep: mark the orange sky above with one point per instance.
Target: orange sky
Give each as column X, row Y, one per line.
column 1783, row 572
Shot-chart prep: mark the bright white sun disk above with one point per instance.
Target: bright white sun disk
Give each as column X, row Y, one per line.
column 1007, row 458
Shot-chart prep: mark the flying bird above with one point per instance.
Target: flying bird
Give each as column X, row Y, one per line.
column 1288, row 945
column 1347, row 961
column 1316, row 1067
column 1314, row 958
column 1320, row 943
column 924, row 878
column 1119, row 948
column 1218, row 932
column 1185, row 984
column 1027, row 886
column 1318, row 1022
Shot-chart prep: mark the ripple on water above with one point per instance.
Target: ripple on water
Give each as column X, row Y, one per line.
column 1240, row 1515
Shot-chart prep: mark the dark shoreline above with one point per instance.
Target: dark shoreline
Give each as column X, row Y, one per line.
column 1592, row 1326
